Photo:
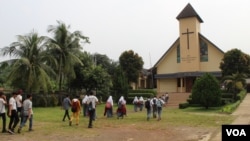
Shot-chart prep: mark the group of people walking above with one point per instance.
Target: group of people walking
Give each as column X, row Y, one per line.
column 18, row 111
column 88, row 108
column 89, row 103
column 153, row 106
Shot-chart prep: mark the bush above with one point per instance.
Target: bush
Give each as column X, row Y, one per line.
column 230, row 107
column 183, row 105
column 206, row 91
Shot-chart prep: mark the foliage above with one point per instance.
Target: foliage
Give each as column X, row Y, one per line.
column 4, row 70
column 237, row 61
column 235, row 83
column 206, row 91
column 229, row 108
column 154, row 92
column 65, row 47
column 131, row 63
column 120, row 85
column 29, row 69
column 183, row 105
column 240, row 96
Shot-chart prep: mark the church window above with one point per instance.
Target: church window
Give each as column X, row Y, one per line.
column 178, row 54
column 203, row 51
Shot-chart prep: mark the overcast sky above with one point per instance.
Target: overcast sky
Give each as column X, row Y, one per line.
column 148, row 27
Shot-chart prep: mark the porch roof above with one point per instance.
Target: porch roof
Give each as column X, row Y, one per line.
column 186, row 74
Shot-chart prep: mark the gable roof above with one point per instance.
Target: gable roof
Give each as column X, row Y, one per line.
column 187, row 12
column 178, row 40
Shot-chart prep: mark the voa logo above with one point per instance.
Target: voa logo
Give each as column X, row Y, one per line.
column 236, row 132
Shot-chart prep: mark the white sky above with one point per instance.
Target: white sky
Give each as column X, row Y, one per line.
column 148, row 27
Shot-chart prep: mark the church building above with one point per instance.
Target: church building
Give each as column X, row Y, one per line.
column 188, row 58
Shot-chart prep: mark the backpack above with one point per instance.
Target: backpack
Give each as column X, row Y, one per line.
column 90, row 106
column 147, row 104
column 154, row 102
column 158, row 103
column 74, row 106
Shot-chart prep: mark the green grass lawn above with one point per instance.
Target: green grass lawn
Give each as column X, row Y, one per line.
column 189, row 117
column 49, row 120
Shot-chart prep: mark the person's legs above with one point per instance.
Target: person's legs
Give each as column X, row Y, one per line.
column 31, row 123
column 11, row 120
column 19, row 113
column 109, row 112
column 135, row 107
column 159, row 113
column 64, row 115
column 3, row 115
column 16, row 120
column 22, row 123
column 77, row 114
column 71, row 119
column 91, row 115
column 148, row 113
column 85, row 110
column 67, row 114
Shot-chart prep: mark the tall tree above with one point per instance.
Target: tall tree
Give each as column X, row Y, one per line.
column 29, row 68
column 120, row 83
column 65, row 48
column 131, row 63
column 235, row 61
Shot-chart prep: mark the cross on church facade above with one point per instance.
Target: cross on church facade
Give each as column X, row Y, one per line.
column 187, row 37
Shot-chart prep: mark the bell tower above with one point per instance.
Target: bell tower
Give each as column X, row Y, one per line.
column 189, row 28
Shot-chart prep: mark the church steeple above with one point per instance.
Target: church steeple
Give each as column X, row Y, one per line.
column 187, row 12
column 189, row 28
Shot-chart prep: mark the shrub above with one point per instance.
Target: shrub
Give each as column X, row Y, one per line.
column 183, row 105
column 206, row 91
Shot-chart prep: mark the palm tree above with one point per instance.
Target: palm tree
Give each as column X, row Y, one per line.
column 235, row 82
column 30, row 69
column 65, row 47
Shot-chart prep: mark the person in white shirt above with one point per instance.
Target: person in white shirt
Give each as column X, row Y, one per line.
column 108, row 110
column 27, row 113
column 135, row 102
column 19, row 99
column 121, row 110
column 85, row 105
column 141, row 103
column 92, row 101
column 2, row 111
column 12, row 113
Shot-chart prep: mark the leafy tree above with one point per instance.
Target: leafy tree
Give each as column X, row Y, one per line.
column 120, row 85
column 91, row 77
column 235, row 82
column 131, row 63
column 235, row 61
column 65, row 47
column 29, row 69
column 4, row 69
column 206, row 91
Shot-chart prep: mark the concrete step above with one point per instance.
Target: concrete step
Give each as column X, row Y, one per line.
column 176, row 98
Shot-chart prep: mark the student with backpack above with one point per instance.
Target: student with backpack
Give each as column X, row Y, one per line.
column 159, row 104
column 76, row 110
column 92, row 101
column 148, row 106
column 154, row 107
